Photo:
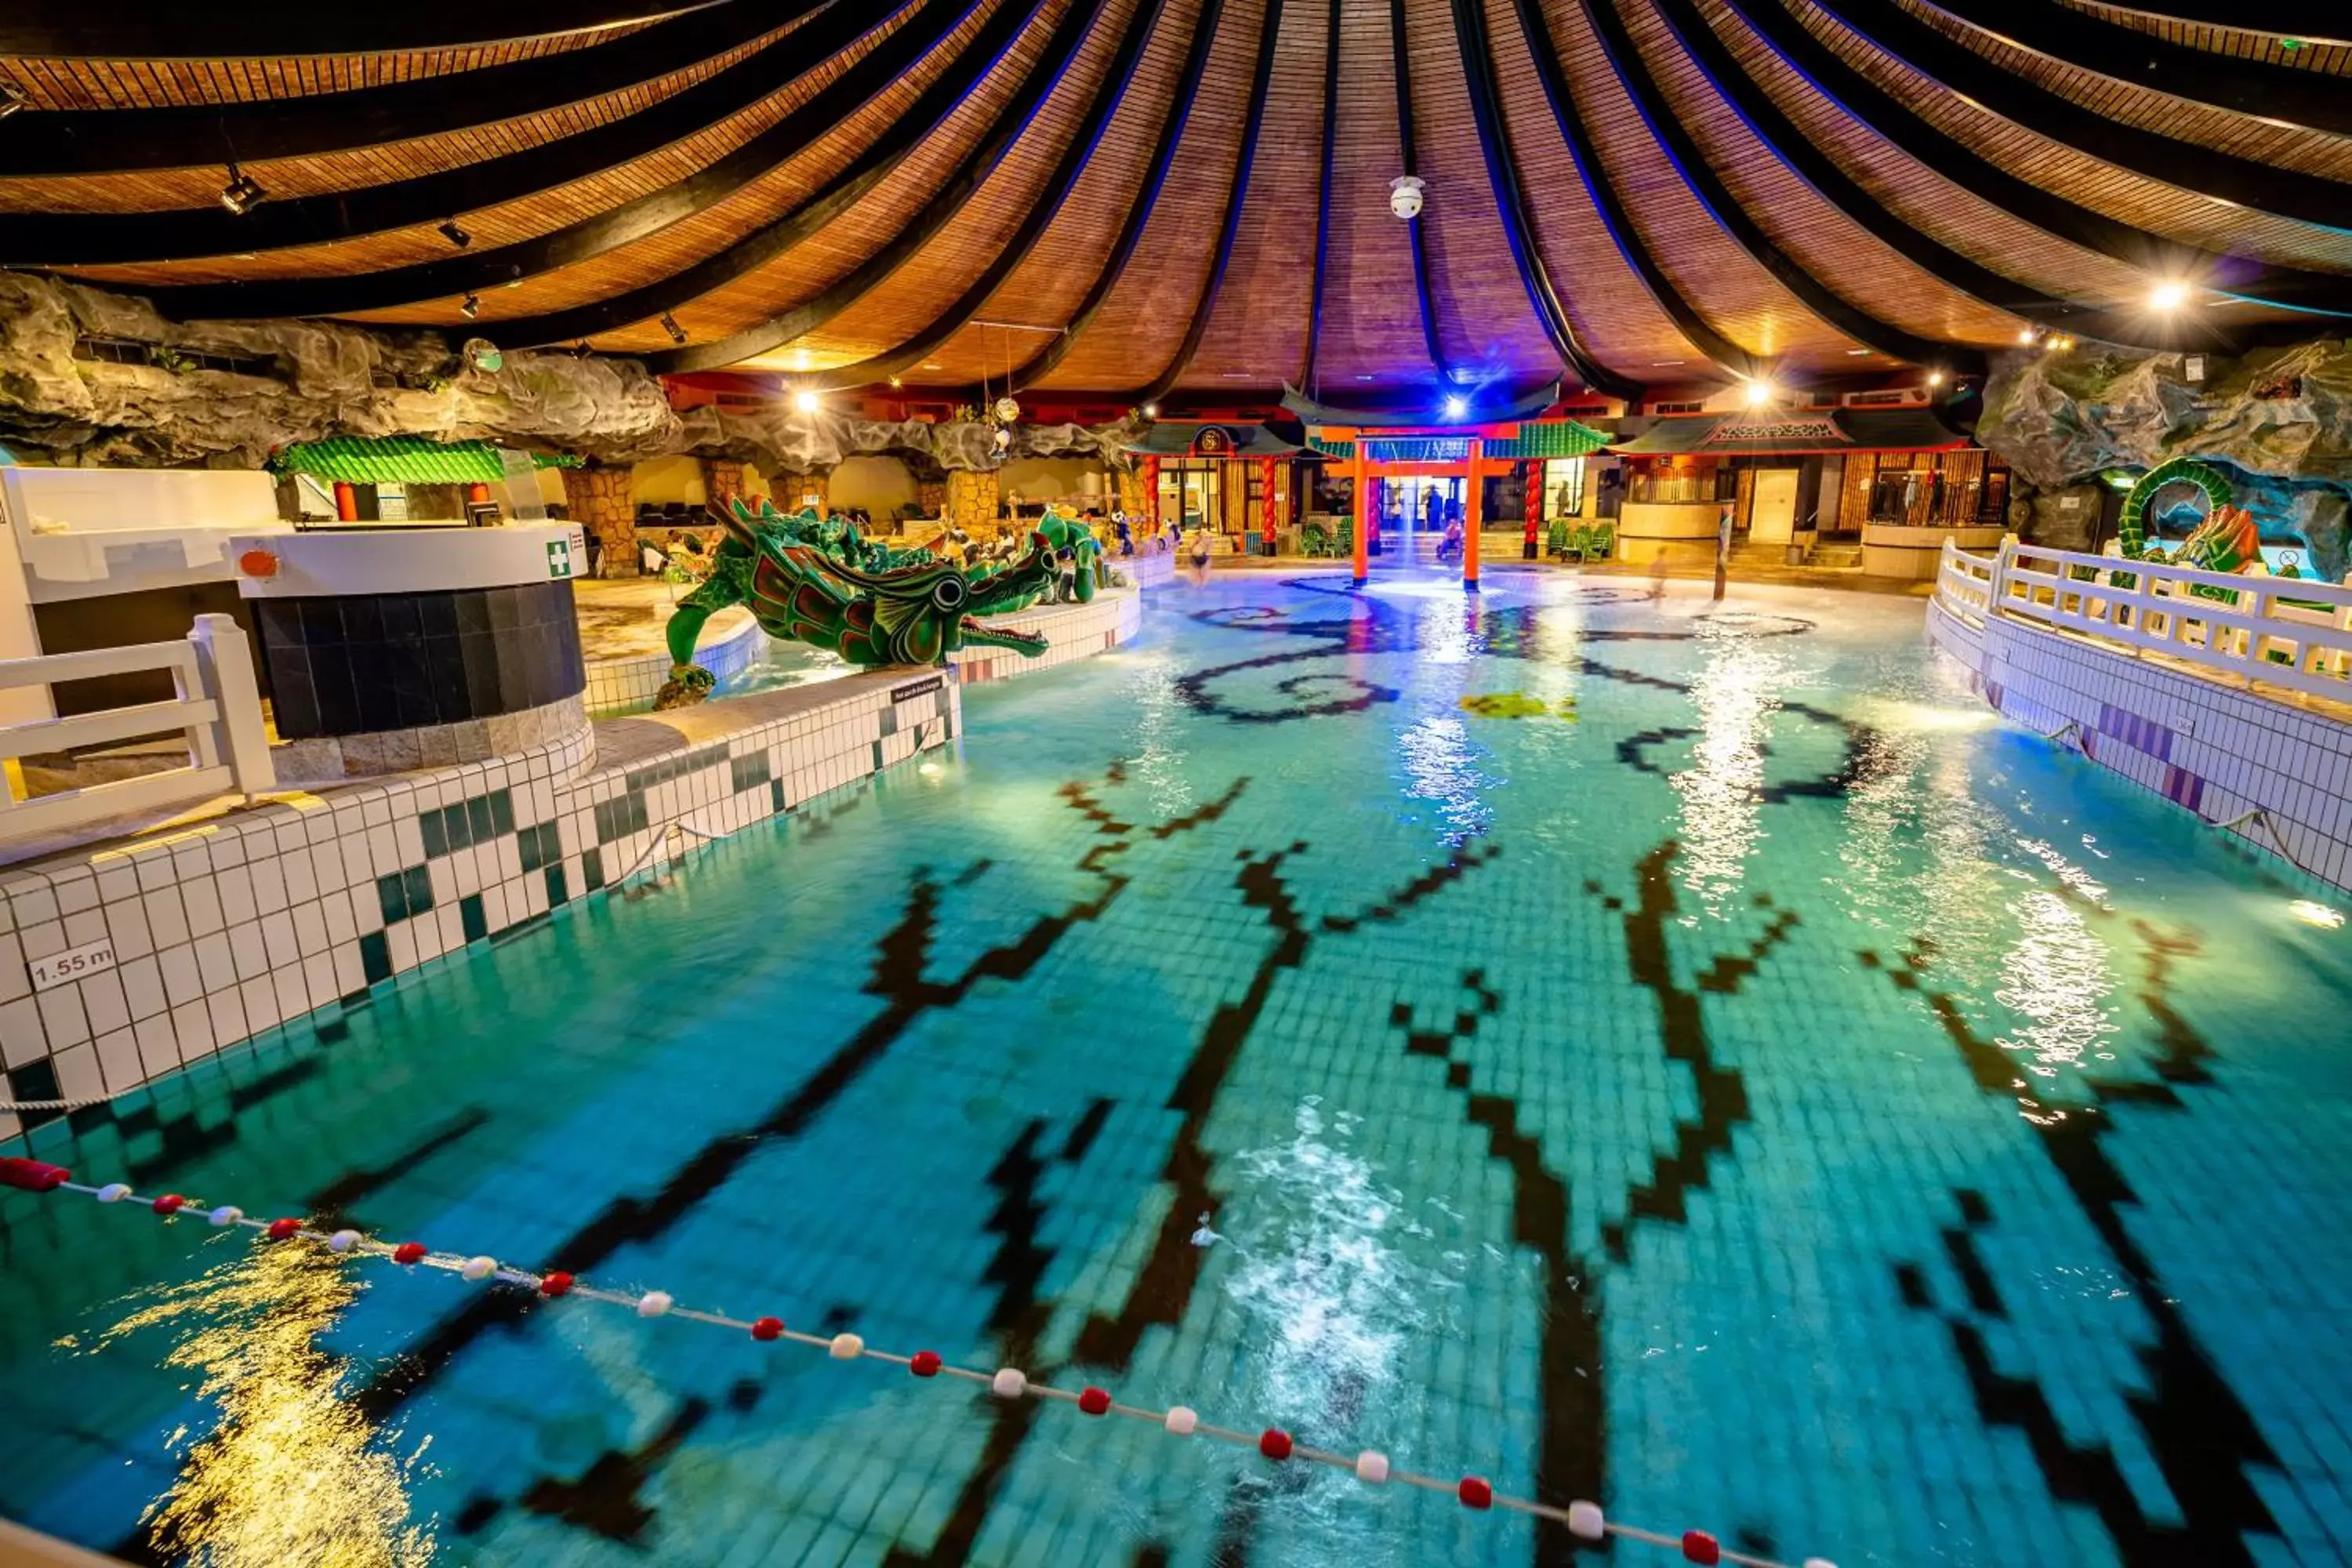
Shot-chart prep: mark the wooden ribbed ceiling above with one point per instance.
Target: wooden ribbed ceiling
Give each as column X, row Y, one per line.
column 1146, row 198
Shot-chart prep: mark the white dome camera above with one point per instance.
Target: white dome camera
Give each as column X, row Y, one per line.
column 1404, row 196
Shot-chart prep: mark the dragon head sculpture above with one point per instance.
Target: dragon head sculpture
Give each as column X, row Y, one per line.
column 917, row 614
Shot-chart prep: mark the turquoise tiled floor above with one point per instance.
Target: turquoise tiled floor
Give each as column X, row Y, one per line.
column 1777, row 1097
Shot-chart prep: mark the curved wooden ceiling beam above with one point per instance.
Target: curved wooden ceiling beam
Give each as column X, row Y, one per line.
column 1476, row 50
column 1911, row 134
column 1624, row 58
column 88, row 239
column 180, row 136
column 1829, row 180
column 824, row 112
column 1323, row 197
column 1016, row 250
column 1261, row 79
column 2281, row 95
column 268, row 29
column 2186, row 165
column 1131, row 233
column 1037, row 83
column 2310, row 21
column 1405, row 145
column 1543, row 48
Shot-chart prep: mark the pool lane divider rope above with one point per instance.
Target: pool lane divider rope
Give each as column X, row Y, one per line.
column 1584, row 1520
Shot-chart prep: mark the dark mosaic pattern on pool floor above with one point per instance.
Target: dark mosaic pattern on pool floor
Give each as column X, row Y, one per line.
column 1691, row 958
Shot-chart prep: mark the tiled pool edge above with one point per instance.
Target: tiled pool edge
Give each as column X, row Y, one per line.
column 617, row 686
column 2215, row 749
column 228, row 930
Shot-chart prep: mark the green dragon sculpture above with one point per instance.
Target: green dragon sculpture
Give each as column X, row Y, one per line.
column 816, row 581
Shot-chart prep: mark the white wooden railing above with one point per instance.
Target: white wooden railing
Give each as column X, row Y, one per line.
column 2285, row 631
column 217, row 707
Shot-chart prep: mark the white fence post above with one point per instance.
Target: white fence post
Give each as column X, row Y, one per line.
column 224, row 656
column 1997, row 582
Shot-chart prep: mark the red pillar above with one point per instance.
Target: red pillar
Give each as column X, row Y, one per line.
column 1474, row 507
column 1535, row 507
column 1151, row 492
column 1266, row 508
column 1363, row 513
column 347, row 503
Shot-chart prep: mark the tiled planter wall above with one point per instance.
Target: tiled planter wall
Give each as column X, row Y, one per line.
column 228, row 929
column 2216, row 750
column 628, row 685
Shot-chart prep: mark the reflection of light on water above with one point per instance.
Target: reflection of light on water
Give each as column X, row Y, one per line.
column 1718, row 829
column 292, row 1473
column 1157, row 759
column 1899, row 717
column 1335, row 1303
column 2317, row 914
column 1438, row 760
column 2055, row 975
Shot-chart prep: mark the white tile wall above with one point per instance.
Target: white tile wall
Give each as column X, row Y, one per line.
column 628, row 685
column 2214, row 748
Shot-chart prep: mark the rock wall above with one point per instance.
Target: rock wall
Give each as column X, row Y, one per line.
column 597, row 497
column 325, row 378
column 2278, row 420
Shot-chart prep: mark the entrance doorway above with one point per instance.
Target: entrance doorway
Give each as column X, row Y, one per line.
column 1416, row 508
column 1772, row 515
column 1194, row 494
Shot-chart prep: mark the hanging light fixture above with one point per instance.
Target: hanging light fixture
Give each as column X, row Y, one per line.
column 669, row 324
column 243, row 193
column 456, row 235
column 805, row 401
column 470, row 307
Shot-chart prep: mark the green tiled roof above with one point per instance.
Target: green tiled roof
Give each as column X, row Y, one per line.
column 1536, row 438
column 1550, row 438
column 401, row 460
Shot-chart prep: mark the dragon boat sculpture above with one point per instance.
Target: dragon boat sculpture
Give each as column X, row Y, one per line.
column 816, row 581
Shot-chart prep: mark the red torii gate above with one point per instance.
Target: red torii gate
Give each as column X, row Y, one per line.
column 1471, row 468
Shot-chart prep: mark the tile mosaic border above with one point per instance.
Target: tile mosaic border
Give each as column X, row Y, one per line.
column 2217, row 750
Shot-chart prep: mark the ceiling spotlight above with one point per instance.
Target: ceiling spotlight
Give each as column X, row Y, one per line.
column 2025, row 334
column 12, row 99
column 243, row 193
column 1151, row 411
column 1935, row 378
column 1456, row 407
column 471, row 307
column 1760, row 392
column 669, row 324
column 895, row 382
column 456, row 235
column 805, row 401
column 2168, row 296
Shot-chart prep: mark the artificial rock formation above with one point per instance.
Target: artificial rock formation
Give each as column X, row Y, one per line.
column 597, row 497
column 302, row 381
column 2278, row 420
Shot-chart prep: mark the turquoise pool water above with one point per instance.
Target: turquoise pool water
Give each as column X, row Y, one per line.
column 1688, row 1056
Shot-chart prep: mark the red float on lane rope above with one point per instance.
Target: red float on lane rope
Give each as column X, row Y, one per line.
column 1475, row 1492
column 279, row 1229
column 1095, row 1401
column 768, row 1329
column 1701, row 1547
column 555, row 1283
column 925, row 1363
column 1274, row 1443
column 169, row 1203
column 408, row 1252
column 33, row 1175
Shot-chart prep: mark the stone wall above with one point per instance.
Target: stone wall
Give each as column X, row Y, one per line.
column 722, row 482
column 972, row 503
column 794, row 492
column 2277, row 420
column 597, row 497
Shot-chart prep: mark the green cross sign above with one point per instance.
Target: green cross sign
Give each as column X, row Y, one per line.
column 559, row 558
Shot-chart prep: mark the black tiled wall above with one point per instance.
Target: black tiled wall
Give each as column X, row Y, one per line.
column 354, row 664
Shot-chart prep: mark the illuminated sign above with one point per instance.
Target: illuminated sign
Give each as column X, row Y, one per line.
column 1211, row 441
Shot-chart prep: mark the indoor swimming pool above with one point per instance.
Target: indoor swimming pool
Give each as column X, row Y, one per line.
column 1689, row 1055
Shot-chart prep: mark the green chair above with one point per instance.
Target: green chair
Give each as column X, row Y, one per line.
column 1555, row 539
column 1599, row 542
